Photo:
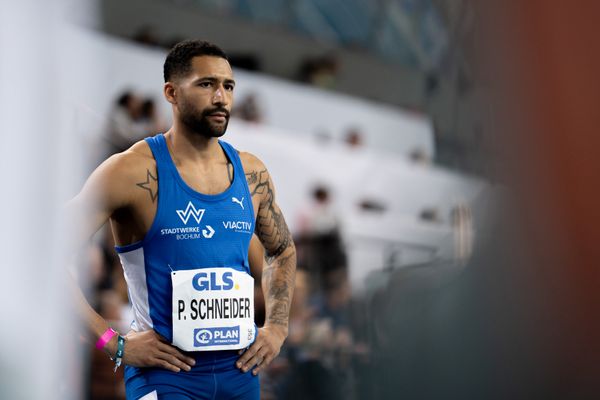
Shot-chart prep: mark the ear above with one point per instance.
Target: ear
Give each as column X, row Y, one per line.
column 170, row 93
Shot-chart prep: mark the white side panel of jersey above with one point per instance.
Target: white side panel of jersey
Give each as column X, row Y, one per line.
column 135, row 275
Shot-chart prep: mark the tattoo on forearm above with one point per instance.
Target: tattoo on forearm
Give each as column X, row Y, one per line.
column 151, row 185
column 271, row 227
column 280, row 254
column 279, row 281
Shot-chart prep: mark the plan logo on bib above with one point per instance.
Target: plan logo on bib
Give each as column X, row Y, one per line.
column 203, row 337
column 190, row 211
column 215, row 336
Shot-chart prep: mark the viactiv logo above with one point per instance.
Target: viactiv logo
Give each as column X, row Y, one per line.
column 216, row 336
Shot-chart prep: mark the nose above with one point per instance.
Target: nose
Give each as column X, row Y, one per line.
column 219, row 96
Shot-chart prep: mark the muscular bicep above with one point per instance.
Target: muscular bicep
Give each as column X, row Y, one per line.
column 271, row 228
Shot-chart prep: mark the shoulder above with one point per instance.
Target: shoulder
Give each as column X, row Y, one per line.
column 112, row 182
column 251, row 163
column 130, row 163
column 255, row 170
column 258, row 177
column 116, row 175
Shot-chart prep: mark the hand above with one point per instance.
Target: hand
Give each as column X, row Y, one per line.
column 264, row 349
column 149, row 349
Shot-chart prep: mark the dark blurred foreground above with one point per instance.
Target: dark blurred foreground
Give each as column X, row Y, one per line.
column 520, row 321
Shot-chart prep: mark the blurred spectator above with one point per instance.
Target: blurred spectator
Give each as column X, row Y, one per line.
column 321, row 218
column 131, row 120
column 319, row 240
column 321, row 348
column 354, row 137
column 300, row 311
column 123, row 128
column 274, row 378
column 430, row 214
column 147, row 35
column 336, row 299
column 309, row 348
column 249, row 109
column 320, row 71
column 372, row 205
column 418, row 156
column 310, row 378
column 150, row 118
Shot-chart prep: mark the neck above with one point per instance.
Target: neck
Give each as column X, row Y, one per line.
column 187, row 145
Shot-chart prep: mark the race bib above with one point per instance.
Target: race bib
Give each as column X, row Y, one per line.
column 213, row 309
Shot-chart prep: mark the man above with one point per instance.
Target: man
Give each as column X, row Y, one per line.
column 183, row 207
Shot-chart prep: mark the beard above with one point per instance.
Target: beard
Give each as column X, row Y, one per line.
column 200, row 123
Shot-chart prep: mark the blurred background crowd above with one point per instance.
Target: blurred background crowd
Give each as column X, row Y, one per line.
column 435, row 161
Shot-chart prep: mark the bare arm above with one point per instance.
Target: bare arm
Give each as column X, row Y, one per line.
column 86, row 213
column 278, row 272
column 114, row 186
column 280, row 255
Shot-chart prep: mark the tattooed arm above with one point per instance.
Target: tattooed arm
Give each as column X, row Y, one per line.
column 279, row 271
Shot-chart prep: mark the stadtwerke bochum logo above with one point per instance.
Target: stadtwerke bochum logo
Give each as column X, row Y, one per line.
column 190, row 211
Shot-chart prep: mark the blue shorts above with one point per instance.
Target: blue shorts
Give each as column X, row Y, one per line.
column 214, row 376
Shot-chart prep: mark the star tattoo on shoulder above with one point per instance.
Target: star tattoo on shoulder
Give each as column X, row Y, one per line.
column 151, row 185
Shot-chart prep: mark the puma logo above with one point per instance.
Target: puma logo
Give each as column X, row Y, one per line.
column 235, row 200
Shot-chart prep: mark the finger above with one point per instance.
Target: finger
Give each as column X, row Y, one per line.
column 171, row 359
column 248, row 354
column 267, row 360
column 255, row 360
column 166, row 365
column 262, row 364
column 167, row 348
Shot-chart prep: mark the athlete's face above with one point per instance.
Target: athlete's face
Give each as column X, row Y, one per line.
column 206, row 96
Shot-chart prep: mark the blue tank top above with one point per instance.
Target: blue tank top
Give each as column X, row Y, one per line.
column 190, row 230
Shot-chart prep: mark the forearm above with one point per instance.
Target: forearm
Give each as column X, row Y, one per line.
column 278, row 287
column 95, row 324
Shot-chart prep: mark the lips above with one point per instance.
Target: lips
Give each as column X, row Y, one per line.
column 218, row 117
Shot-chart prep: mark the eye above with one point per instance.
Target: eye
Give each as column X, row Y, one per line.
column 229, row 87
column 205, row 84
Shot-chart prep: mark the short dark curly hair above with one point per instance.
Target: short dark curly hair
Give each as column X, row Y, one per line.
column 179, row 59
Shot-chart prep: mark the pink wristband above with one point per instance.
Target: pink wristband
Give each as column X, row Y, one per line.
column 105, row 338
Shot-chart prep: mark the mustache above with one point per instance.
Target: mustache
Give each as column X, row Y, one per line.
column 216, row 110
